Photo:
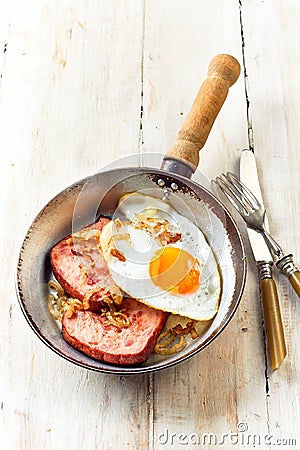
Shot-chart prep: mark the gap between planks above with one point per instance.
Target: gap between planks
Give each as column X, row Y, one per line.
column 252, row 147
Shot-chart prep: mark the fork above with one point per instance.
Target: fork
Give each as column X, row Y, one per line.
column 253, row 213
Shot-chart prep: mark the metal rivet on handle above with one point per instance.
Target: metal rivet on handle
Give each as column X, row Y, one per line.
column 166, row 196
column 161, row 182
column 174, row 186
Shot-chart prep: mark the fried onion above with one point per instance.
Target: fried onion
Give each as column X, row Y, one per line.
column 60, row 304
column 56, row 287
column 166, row 342
column 118, row 319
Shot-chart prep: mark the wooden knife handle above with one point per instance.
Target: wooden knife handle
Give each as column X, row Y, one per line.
column 223, row 71
column 273, row 321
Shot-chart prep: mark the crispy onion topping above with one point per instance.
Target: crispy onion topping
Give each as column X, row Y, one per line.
column 159, row 229
column 71, row 306
column 118, row 319
column 56, row 314
column 164, row 343
column 86, row 234
column 59, row 304
column 173, row 340
column 56, row 287
column 115, row 294
column 115, row 317
column 110, row 293
column 117, row 254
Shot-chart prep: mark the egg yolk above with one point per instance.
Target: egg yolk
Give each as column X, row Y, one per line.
column 175, row 270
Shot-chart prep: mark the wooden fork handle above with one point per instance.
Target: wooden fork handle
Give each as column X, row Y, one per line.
column 272, row 315
column 294, row 279
column 223, row 71
column 291, row 271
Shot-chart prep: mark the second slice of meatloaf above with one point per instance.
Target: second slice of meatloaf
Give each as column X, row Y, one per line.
column 91, row 333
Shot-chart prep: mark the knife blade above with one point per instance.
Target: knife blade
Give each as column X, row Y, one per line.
column 264, row 261
column 284, row 262
column 249, row 176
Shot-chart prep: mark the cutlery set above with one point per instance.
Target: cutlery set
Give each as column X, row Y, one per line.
column 245, row 195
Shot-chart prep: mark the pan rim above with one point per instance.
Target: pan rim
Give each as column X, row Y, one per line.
column 130, row 370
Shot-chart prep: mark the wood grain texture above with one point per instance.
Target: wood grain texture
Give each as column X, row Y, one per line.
column 213, row 391
column 84, row 83
column 70, row 99
column 272, row 62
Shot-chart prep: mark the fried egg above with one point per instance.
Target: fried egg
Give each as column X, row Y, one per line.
column 161, row 258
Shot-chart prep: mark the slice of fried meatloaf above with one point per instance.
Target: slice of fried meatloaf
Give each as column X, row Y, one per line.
column 79, row 267
column 90, row 333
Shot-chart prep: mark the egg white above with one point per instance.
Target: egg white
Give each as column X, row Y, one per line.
column 138, row 247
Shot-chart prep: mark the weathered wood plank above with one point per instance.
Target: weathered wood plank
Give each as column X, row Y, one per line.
column 214, row 391
column 273, row 65
column 70, row 99
column 74, row 78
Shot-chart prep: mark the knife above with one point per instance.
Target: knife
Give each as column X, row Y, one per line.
column 264, row 262
column 284, row 262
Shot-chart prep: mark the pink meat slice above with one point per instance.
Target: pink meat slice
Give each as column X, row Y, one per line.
column 68, row 259
column 90, row 333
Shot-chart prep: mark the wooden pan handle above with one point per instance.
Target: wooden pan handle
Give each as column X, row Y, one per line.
column 223, row 72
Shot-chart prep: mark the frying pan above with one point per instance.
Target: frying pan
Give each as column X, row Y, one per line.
column 82, row 202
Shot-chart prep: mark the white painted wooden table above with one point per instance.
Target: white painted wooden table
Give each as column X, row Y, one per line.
column 85, row 82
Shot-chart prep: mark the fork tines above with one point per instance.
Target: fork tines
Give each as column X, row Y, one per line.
column 237, row 193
